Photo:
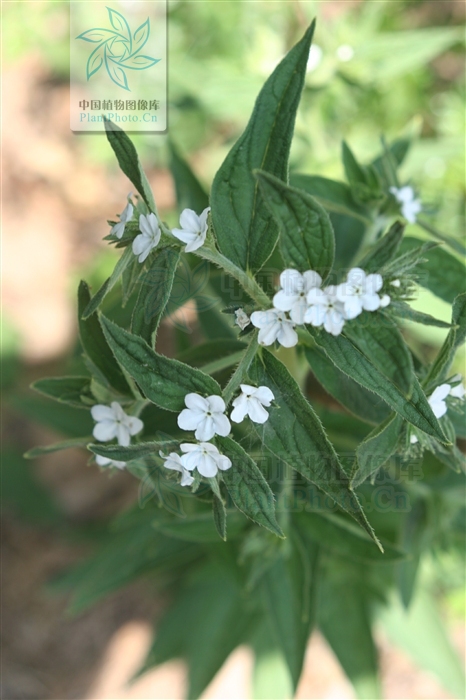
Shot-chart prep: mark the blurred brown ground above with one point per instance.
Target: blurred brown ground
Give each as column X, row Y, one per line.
column 55, row 205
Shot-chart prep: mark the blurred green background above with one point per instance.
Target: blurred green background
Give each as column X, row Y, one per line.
column 377, row 67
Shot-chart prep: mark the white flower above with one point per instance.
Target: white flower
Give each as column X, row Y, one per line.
column 125, row 216
column 107, row 462
column 205, row 416
column 251, row 403
column 274, row 325
column 325, row 309
column 410, row 206
column 292, row 295
column 173, row 461
column 359, row 292
column 112, row 422
column 437, row 400
column 384, row 301
column 242, row 319
column 149, row 238
column 205, row 458
column 193, row 229
column 395, row 283
column 458, row 391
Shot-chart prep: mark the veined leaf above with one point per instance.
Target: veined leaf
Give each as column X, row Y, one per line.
column 360, row 401
column 379, row 338
column 124, row 261
column 334, row 196
column 136, row 451
column 190, row 194
column 306, row 235
column 343, row 537
column 219, row 513
column 391, row 159
column 199, row 528
column 154, row 293
column 377, row 448
column 442, row 273
column 96, row 347
column 129, row 162
column 403, row 310
column 163, row 381
column 57, row 447
column 413, row 406
column 456, row 336
column 289, row 587
column 295, row 434
column 65, row 389
column 247, row 486
column 385, row 249
column 244, row 227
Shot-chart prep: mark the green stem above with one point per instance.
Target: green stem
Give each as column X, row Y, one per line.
column 241, row 370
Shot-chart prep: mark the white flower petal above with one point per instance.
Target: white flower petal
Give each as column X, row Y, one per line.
column 298, row 310
column 190, row 420
column 291, row 281
column 374, row 283
column 100, row 412
column 315, row 315
column 123, row 435
column 198, row 241
column 196, row 402
column 458, row 391
column 247, row 389
column 356, row 277
column 186, row 478
column 140, row 243
column 105, row 430
column 264, row 395
column 185, row 236
column 334, row 322
column 311, row 279
column 216, row 404
column 269, row 334
column 287, row 335
column 223, row 462
column 207, row 466
column 316, row 296
column 370, row 302
column 118, row 230
column 188, row 447
column 283, row 301
column 353, row 307
column 190, row 460
column 240, row 409
column 189, row 221
column 135, row 425
column 256, row 411
column 206, row 429
column 222, row 424
column 440, row 393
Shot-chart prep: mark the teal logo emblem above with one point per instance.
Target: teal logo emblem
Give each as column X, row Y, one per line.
column 118, row 49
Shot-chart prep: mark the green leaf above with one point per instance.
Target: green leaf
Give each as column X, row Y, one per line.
column 393, row 156
column 95, row 346
column 385, row 249
column 56, row 447
column 219, row 513
column 65, row 389
column 295, row 434
column 413, row 407
column 456, row 336
column 360, row 401
column 408, row 261
column 344, row 619
column 442, row 273
column 97, row 299
column 129, row 162
column 436, row 653
column 306, row 235
column 403, row 310
column 239, row 374
column 289, row 595
column 136, row 451
column 190, row 194
column 342, row 537
column 247, row 487
column 163, row 381
column 334, row 196
column 271, row 678
column 154, row 293
column 377, row 448
column 245, row 231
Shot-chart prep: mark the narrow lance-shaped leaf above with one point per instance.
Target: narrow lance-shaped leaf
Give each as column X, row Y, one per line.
column 96, row 347
column 413, row 407
column 245, row 230
column 163, row 381
column 385, row 249
column 68, row 390
column 130, row 452
column 123, row 262
column 154, row 293
column 247, row 486
column 306, row 235
column 404, row 310
column 57, row 447
column 129, row 162
column 360, row 401
column 294, row 433
column 440, row 272
column 377, row 448
column 334, row 196
column 442, row 363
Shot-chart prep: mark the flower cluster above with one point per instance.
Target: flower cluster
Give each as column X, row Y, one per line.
column 112, row 422
column 437, row 399
column 206, row 417
column 193, row 230
column 410, row 206
column 301, row 299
